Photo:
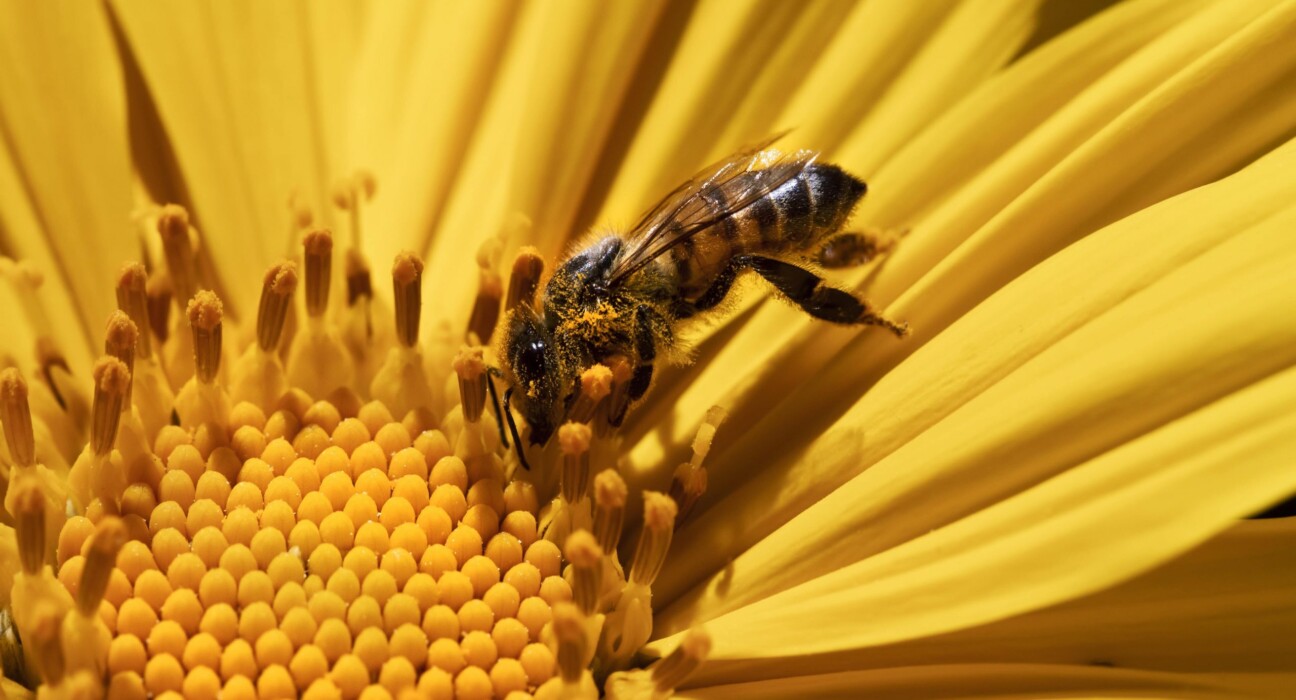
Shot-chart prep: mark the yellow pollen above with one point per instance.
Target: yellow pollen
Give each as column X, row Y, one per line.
column 205, row 313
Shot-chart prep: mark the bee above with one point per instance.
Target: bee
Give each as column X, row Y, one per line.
column 758, row 211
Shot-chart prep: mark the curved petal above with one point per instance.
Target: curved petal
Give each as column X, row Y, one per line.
column 1223, row 607
column 251, row 97
column 1006, row 682
column 66, row 185
column 1104, row 521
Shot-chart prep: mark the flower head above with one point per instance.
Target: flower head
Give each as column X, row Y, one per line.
column 282, row 476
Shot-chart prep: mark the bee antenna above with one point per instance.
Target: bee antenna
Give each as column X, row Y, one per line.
column 491, row 373
column 517, row 441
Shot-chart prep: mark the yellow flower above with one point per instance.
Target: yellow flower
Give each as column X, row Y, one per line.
column 1038, row 492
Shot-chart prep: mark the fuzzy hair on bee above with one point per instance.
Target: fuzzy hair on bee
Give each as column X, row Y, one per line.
column 623, row 298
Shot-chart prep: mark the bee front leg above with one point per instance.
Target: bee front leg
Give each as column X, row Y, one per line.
column 646, row 348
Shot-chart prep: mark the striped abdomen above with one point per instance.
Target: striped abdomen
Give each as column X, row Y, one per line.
column 794, row 217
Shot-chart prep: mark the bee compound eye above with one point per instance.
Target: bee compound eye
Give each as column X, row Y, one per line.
column 531, row 356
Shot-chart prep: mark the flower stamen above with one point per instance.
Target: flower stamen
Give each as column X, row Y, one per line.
column 29, row 525
column 132, row 298
column 119, row 341
column 490, row 291
column 15, row 413
column 470, row 367
column 690, row 479
column 650, row 553
column 574, row 440
column 671, row 672
column 407, row 291
column 276, row 297
column 173, row 226
column 205, row 314
column 112, row 381
column 610, row 495
column 585, row 555
column 528, row 267
column 318, row 246
column 595, row 386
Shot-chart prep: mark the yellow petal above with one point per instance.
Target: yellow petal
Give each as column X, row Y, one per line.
column 977, row 38
column 1007, row 682
column 1223, row 606
column 536, row 144
column 66, row 181
column 1063, row 340
column 412, row 117
column 1110, row 518
column 252, row 112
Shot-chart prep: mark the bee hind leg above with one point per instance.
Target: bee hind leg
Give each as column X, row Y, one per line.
column 808, row 290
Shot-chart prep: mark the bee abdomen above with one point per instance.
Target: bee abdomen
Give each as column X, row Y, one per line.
column 795, row 216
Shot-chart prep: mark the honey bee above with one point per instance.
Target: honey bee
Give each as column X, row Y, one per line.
column 776, row 214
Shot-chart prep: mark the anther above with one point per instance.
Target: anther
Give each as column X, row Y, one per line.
column 407, row 291
column 586, row 557
column 658, row 527
column 173, row 225
column 132, row 298
column 205, row 313
column 613, row 410
column 569, row 631
column 574, row 439
column 120, row 339
column 112, row 381
column 109, row 537
column 29, row 524
column 528, row 267
column 470, row 366
column 319, row 266
column 276, row 297
column 690, row 479
column 609, row 508
column 159, row 293
column 595, row 386
column 15, row 413
column 490, row 291
column 671, row 672
column 359, row 283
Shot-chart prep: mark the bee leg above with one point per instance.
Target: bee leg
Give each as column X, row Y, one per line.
column 855, row 248
column 807, row 290
column 491, row 374
column 646, row 349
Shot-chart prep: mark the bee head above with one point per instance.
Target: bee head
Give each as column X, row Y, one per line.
column 533, row 360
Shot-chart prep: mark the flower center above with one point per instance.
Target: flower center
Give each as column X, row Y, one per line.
column 265, row 532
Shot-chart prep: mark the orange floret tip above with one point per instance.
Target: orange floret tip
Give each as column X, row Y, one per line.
column 582, row 550
column 205, row 310
column 659, row 510
column 111, row 376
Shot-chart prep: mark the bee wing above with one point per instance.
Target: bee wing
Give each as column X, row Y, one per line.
column 737, row 182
